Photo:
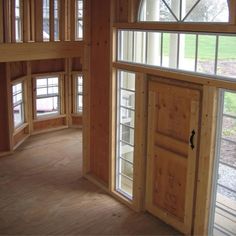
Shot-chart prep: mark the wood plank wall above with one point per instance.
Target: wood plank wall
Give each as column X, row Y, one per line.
column 100, row 79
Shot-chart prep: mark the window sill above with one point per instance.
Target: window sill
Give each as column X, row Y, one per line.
column 53, row 117
column 20, row 128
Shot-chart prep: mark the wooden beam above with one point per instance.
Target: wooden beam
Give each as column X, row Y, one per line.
column 26, row 20
column 206, row 158
column 180, row 75
column 232, row 11
column 46, row 50
column 1, row 22
column 38, row 13
column 190, row 27
column 51, row 20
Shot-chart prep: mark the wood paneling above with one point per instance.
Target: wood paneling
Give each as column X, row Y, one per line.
column 77, row 120
column 37, row 51
column 18, row 69
column 47, row 66
column 1, row 22
column 20, row 136
column 49, row 124
column 76, row 64
column 4, row 132
column 38, row 13
column 100, row 82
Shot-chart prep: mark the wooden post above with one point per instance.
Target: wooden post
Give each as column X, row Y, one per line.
column 206, row 158
column 26, row 20
column 51, row 20
column 86, row 89
column 38, row 13
column 32, row 21
column 232, row 11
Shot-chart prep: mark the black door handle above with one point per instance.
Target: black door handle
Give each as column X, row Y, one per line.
column 192, row 139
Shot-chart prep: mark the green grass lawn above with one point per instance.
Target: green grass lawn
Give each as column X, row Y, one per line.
column 206, row 47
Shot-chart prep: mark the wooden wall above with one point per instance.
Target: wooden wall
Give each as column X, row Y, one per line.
column 100, row 79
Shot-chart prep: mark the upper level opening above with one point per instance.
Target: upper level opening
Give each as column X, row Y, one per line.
column 199, row 11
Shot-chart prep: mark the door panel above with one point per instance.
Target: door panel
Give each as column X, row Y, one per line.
column 173, row 116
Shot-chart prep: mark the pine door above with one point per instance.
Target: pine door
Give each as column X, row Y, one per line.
column 172, row 152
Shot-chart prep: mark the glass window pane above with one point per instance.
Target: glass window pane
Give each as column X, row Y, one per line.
column 79, row 103
column 206, row 54
column 126, row 185
column 187, row 52
column 154, row 48
column 170, row 50
column 53, row 81
column 127, row 80
column 41, row 91
column 127, row 117
column 125, row 46
column 53, row 90
column 139, row 47
column 126, row 134
column 127, row 99
column 226, row 64
column 230, row 103
column 127, row 152
column 46, row 22
column 41, row 83
column 47, row 106
column 126, row 168
column 229, row 128
column 18, row 113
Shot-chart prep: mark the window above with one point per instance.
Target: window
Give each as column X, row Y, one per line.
column 18, row 104
column 18, row 20
column 46, row 22
column 79, row 94
column 79, row 19
column 224, row 191
column 184, row 11
column 125, row 132
column 209, row 54
column 56, row 20
column 47, row 96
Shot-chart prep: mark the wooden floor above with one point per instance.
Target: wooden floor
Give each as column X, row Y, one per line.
column 42, row 192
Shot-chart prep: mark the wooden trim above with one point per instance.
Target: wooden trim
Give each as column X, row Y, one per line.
column 26, row 20
column 177, row 75
column 68, row 91
column 22, row 141
column 40, row 50
column 51, row 21
column 232, row 11
column 19, row 80
column 38, row 13
column 140, row 142
column 183, row 27
column 48, row 74
column 206, row 158
column 29, row 100
column 1, row 22
column 50, row 130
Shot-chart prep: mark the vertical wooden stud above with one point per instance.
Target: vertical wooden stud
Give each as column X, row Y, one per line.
column 86, row 88
column 62, row 18
column 29, row 97
column 140, row 142
column 51, row 20
column 1, row 22
column 72, row 20
column 206, row 158
column 38, row 13
column 232, row 11
column 7, row 20
column 26, row 20
column 32, row 20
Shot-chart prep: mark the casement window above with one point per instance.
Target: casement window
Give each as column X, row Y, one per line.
column 79, row 93
column 125, row 132
column 18, row 20
column 18, row 104
column 47, row 96
column 79, row 20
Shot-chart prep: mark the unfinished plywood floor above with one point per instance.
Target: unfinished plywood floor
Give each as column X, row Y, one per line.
column 42, row 192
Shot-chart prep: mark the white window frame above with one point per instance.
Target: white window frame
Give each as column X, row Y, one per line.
column 77, row 93
column 59, row 95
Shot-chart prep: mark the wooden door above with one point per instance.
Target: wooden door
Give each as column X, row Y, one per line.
column 173, row 121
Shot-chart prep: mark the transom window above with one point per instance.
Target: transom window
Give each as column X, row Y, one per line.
column 18, row 104
column 184, row 10
column 47, row 96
